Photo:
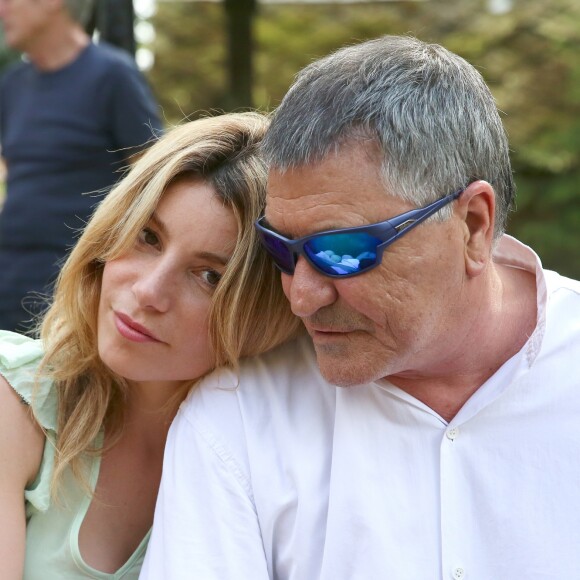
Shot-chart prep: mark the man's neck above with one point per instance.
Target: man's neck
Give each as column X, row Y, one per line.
column 494, row 332
column 57, row 47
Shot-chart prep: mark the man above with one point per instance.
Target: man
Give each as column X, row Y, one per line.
column 450, row 448
column 70, row 118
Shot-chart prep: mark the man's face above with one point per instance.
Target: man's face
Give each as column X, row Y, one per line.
column 397, row 319
column 23, row 21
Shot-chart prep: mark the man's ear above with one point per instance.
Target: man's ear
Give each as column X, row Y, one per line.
column 476, row 207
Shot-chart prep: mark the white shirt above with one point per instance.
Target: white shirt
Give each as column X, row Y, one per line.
column 290, row 478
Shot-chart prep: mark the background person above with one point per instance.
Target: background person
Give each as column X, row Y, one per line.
column 166, row 282
column 70, row 117
column 452, row 449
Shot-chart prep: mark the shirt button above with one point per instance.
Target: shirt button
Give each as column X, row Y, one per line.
column 458, row 574
column 452, row 434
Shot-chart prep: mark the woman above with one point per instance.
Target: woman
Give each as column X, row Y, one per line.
column 166, row 283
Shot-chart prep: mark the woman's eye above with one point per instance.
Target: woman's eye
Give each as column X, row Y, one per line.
column 211, row 277
column 149, row 237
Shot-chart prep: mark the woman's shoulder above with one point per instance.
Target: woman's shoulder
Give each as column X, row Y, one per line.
column 20, row 358
column 21, row 440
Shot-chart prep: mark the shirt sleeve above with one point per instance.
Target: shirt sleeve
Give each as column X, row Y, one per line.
column 205, row 524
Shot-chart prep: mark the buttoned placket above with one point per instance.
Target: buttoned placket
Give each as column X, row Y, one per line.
column 452, row 560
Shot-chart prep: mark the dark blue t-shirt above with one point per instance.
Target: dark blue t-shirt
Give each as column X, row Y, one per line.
column 65, row 135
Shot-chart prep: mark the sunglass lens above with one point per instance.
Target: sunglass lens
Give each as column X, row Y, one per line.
column 282, row 257
column 343, row 254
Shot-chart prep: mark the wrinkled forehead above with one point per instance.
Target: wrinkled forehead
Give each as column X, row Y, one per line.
column 345, row 189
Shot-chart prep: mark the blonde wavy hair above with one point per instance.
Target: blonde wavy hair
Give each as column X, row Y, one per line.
column 249, row 313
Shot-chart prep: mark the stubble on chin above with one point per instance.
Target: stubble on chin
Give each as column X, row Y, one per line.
column 343, row 361
column 341, row 372
column 348, row 362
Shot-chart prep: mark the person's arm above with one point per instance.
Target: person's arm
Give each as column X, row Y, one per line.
column 21, row 447
column 205, row 524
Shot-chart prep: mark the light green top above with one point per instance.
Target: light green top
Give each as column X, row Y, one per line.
column 52, row 531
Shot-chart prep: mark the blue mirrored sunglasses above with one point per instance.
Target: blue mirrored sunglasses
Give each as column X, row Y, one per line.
column 345, row 252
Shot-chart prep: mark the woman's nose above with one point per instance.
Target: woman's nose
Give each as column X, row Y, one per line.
column 154, row 287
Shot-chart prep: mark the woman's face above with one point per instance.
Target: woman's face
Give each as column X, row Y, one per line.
column 153, row 311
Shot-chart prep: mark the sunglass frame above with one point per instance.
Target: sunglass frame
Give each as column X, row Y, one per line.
column 388, row 232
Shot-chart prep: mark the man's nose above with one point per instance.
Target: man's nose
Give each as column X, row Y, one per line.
column 308, row 290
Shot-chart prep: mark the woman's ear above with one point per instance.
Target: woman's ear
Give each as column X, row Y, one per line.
column 476, row 207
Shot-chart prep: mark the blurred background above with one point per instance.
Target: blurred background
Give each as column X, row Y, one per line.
column 203, row 57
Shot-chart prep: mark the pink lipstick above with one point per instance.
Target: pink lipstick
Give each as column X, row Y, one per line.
column 132, row 330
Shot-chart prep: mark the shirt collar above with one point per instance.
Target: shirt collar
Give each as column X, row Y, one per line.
column 512, row 253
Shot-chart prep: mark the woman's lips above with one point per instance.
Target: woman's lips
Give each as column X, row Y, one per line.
column 132, row 330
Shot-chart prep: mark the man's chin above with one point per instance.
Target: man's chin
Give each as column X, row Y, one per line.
column 343, row 373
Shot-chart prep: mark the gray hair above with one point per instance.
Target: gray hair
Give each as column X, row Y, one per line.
column 80, row 10
column 429, row 110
